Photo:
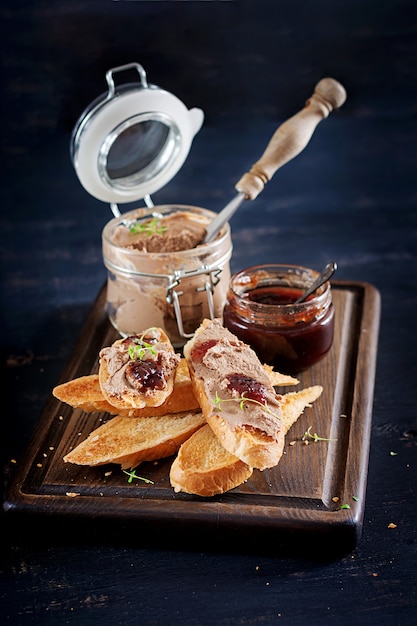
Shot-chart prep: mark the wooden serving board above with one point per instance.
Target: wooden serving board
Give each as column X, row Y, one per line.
column 305, row 493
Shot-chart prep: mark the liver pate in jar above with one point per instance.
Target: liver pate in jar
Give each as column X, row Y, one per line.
column 160, row 275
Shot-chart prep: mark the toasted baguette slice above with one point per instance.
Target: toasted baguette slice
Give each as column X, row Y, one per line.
column 236, row 395
column 277, row 379
column 139, row 370
column 85, row 393
column 294, row 403
column 128, row 441
column 204, row 468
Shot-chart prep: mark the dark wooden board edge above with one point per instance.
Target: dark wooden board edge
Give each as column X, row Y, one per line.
column 345, row 524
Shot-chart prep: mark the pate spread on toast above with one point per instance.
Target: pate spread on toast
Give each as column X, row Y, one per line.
column 236, row 395
column 138, row 370
column 204, row 468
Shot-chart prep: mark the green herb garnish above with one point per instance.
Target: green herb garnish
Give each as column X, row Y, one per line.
column 345, row 506
column 152, row 227
column 138, row 351
column 133, row 475
column 315, row 437
column 242, row 400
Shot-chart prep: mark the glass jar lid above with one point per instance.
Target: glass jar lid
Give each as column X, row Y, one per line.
column 132, row 140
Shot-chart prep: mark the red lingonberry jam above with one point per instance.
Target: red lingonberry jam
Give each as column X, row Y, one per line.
column 138, row 340
column 146, row 374
column 261, row 310
column 247, row 386
column 274, row 295
column 198, row 352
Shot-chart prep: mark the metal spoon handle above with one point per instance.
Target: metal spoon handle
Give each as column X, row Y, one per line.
column 224, row 216
column 325, row 275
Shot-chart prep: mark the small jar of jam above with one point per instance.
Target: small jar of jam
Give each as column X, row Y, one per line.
column 261, row 310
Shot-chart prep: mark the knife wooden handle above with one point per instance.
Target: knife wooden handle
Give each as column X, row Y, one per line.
column 292, row 136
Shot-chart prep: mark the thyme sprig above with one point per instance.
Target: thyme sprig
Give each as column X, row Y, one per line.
column 132, row 474
column 308, row 435
column 242, row 399
column 141, row 347
column 152, row 227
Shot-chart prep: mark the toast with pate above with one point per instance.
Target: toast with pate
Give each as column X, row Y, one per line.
column 236, row 395
column 85, row 393
column 204, row 467
column 139, row 370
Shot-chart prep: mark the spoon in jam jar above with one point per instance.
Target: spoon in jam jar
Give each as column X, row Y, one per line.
column 323, row 277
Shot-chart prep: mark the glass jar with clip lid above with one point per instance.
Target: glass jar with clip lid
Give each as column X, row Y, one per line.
column 126, row 145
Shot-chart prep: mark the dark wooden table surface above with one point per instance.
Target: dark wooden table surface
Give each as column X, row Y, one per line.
column 350, row 197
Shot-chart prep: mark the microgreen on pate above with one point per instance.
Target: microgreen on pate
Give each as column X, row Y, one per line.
column 152, row 227
column 133, row 475
column 315, row 437
column 138, row 351
column 242, row 400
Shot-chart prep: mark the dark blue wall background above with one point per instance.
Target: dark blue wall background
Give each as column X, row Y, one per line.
column 244, row 62
column 249, row 65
